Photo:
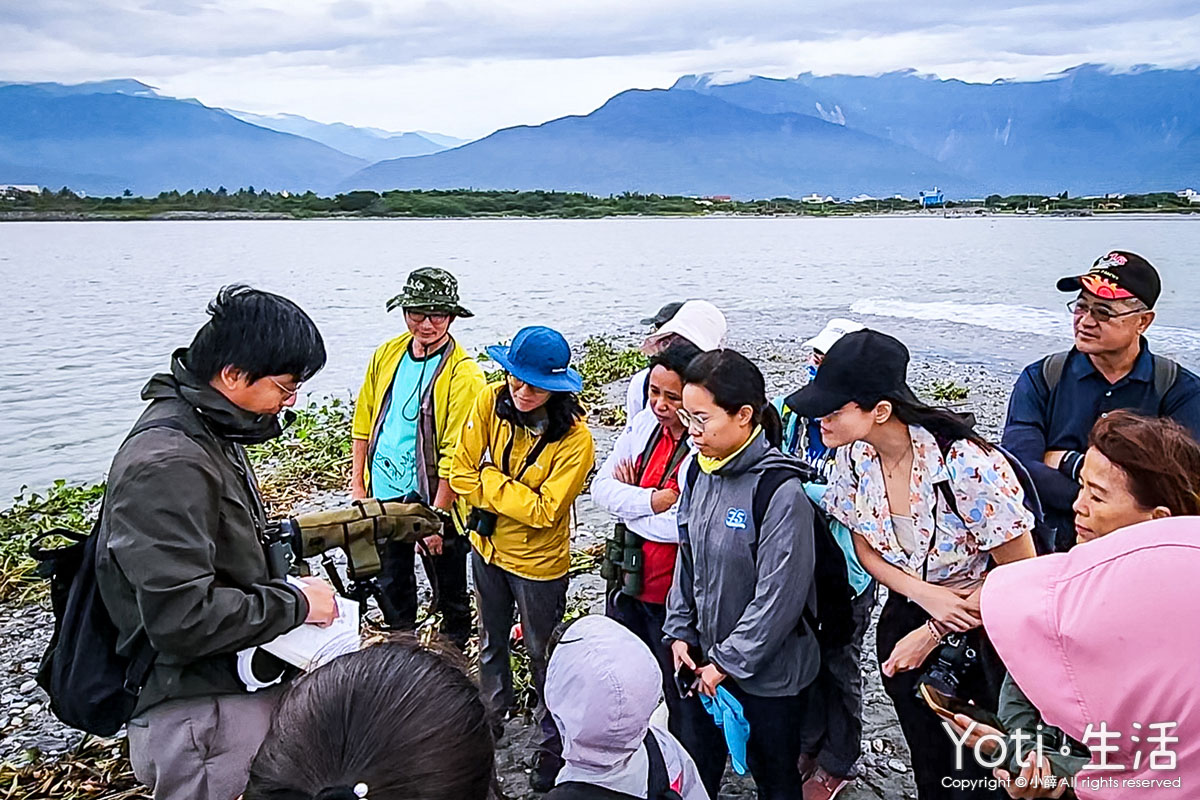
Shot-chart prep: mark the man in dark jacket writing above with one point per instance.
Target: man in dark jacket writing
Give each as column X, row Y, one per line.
column 180, row 562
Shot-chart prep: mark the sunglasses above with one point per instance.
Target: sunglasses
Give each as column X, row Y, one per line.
column 515, row 383
column 1097, row 312
column 436, row 317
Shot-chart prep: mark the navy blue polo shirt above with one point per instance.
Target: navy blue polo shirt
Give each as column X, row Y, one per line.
column 1039, row 421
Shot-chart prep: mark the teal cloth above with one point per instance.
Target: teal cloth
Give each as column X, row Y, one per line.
column 860, row 579
column 727, row 712
column 394, row 463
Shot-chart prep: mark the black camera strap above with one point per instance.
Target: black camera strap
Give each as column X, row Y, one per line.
column 677, row 456
column 530, row 458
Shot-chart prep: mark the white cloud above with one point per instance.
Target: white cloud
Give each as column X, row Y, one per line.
column 470, row 67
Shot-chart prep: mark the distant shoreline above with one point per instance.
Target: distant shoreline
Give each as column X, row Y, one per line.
column 959, row 213
column 248, row 204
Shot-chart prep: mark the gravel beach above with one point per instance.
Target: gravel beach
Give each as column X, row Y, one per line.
column 26, row 726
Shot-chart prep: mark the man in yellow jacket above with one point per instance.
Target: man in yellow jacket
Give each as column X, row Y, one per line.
column 419, row 389
column 523, row 458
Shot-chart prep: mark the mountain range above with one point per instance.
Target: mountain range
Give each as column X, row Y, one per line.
column 1087, row 130
column 372, row 144
column 669, row 142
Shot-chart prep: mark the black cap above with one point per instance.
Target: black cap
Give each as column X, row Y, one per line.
column 663, row 316
column 862, row 367
column 1118, row 275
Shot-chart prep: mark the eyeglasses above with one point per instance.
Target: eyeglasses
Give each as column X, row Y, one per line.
column 1101, row 314
column 515, row 383
column 693, row 423
column 436, row 317
column 287, row 393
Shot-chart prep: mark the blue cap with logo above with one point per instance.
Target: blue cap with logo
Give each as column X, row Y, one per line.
column 540, row 357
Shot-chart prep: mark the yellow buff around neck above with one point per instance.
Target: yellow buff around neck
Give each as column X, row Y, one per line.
column 711, row 465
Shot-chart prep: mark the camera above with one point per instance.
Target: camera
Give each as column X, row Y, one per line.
column 283, row 546
column 950, row 664
column 482, row 522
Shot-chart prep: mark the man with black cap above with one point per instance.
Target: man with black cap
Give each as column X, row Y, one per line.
column 419, row 389
column 1058, row 399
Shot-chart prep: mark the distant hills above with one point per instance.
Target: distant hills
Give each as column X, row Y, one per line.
column 371, row 144
column 669, row 142
column 107, row 142
column 1087, row 130
column 108, row 136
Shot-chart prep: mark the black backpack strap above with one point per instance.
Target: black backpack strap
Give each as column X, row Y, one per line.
column 768, row 484
column 692, row 473
column 1166, row 371
column 140, row 665
column 658, row 782
column 1052, row 368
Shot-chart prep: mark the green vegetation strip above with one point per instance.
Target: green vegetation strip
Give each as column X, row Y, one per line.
column 65, row 204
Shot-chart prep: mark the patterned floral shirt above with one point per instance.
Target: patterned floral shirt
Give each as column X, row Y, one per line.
column 986, row 492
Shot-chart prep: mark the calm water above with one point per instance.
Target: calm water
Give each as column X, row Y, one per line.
column 90, row 310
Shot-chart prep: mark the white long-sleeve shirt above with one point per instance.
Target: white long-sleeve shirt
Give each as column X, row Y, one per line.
column 631, row 504
column 635, row 394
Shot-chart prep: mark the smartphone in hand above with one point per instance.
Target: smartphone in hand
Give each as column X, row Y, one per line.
column 685, row 680
column 945, row 705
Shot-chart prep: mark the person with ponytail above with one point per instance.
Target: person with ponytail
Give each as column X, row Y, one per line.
column 736, row 609
column 393, row 721
column 932, row 506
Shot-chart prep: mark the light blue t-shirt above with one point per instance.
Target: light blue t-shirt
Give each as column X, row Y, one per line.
column 394, row 464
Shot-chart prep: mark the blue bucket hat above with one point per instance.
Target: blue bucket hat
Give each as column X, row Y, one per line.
column 539, row 356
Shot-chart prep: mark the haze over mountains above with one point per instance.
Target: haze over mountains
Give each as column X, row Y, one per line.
column 372, row 144
column 1085, row 131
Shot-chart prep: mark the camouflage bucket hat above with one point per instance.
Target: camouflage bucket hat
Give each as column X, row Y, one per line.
column 430, row 288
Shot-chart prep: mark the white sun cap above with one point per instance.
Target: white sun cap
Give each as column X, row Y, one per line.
column 834, row 330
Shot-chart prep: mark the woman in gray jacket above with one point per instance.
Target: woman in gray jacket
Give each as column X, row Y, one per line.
column 735, row 610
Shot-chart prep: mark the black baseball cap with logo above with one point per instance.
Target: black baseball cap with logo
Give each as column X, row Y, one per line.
column 862, row 367
column 1118, row 275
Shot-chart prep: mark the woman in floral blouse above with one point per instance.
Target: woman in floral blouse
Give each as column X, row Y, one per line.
column 932, row 506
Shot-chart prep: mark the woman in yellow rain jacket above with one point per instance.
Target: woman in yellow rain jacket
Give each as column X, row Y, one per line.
column 521, row 461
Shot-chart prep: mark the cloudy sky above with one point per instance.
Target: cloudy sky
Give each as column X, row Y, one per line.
column 467, row 67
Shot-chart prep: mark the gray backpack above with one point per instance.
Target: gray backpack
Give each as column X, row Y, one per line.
column 1166, row 372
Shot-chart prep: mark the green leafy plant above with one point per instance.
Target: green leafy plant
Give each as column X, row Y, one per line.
column 63, row 505
column 945, row 390
column 604, row 362
column 312, row 455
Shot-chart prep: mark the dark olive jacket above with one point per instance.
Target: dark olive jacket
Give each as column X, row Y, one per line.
column 179, row 557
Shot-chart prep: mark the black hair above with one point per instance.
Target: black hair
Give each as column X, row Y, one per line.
column 676, row 356
column 945, row 425
column 563, row 410
column 734, row 381
column 403, row 719
column 258, row 333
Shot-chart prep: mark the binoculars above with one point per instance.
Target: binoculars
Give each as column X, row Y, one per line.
column 624, row 563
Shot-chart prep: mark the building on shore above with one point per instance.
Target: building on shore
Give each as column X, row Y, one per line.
column 932, row 199
column 13, row 189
